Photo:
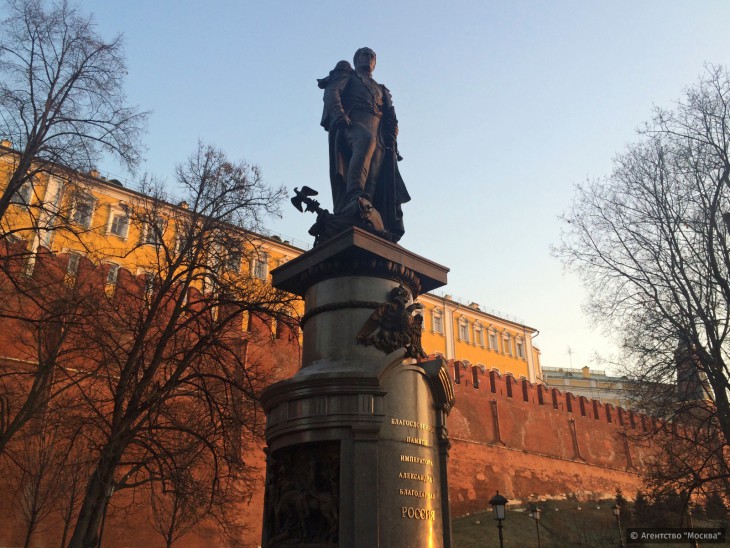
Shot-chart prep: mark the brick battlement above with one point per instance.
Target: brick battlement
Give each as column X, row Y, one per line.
column 491, row 382
column 527, row 439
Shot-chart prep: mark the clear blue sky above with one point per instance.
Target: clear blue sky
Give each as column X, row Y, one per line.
column 503, row 107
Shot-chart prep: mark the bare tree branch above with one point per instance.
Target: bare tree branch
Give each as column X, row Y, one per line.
column 650, row 242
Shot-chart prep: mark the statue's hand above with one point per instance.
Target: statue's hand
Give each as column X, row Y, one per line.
column 343, row 121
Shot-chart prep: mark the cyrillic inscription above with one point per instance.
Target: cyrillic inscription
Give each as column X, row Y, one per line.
column 417, row 441
column 416, row 493
column 417, row 513
column 411, row 512
column 425, row 478
column 412, row 424
column 416, row 460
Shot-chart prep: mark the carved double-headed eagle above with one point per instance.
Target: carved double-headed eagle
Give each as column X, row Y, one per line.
column 394, row 325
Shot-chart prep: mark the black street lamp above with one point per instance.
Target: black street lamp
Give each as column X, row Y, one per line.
column 498, row 503
column 617, row 513
column 535, row 514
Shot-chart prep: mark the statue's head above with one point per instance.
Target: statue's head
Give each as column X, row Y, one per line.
column 364, row 58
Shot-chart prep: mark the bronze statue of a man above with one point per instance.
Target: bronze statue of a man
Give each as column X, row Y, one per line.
column 360, row 119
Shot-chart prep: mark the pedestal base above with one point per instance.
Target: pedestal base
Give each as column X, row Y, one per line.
column 357, row 441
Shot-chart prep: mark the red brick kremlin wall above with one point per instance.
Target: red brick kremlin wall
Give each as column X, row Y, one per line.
column 507, row 434
column 530, row 441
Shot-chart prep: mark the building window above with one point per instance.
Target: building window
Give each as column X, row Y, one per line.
column 119, row 224
column 261, row 266
column 113, row 274
column 464, row 330
column 149, row 287
column 153, row 231
column 479, row 335
column 73, row 264
column 493, row 340
column 520, row 346
column 83, row 211
column 72, row 269
column 111, row 279
column 437, row 321
column 233, row 257
column 507, row 342
column 23, row 194
column 182, row 237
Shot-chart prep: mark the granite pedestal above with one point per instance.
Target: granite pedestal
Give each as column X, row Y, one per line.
column 356, row 441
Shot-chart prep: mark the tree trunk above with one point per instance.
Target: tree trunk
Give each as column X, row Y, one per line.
column 28, row 534
column 86, row 532
column 722, row 409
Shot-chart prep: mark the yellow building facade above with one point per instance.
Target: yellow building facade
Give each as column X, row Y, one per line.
column 477, row 338
column 105, row 225
column 103, row 230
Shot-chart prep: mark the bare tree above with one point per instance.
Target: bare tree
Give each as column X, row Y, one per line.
column 166, row 372
column 41, row 466
column 61, row 93
column 182, row 500
column 38, row 313
column 177, row 506
column 650, row 242
column 37, row 473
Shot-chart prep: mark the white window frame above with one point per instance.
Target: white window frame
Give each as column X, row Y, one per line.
column 181, row 234
column 493, row 340
column 23, row 195
column 150, row 279
column 463, row 330
column 74, row 259
column 114, row 213
column 85, row 199
column 113, row 275
column 150, row 236
column 233, row 257
column 478, row 334
column 437, row 321
column 507, row 343
column 260, row 266
column 520, row 347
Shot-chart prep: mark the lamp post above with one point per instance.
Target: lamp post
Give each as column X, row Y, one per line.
column 498, row 503
column 694, row 543
column 617, row 513
column 535, row 514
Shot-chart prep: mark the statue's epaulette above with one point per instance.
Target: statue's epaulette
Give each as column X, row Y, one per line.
column 342, row 66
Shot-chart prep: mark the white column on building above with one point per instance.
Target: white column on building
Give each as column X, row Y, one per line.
column 449, row 330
